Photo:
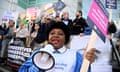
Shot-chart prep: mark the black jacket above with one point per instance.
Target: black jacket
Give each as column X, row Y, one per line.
column 79, row 26
column 112, row 28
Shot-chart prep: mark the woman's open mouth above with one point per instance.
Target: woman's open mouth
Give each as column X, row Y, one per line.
column 55, row 41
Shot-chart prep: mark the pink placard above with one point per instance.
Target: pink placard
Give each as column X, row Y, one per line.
column 32, row 13
column 98, row 17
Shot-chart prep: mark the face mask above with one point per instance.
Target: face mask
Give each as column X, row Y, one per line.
column 77, row 16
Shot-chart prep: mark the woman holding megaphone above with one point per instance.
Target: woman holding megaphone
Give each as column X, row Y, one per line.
column 55, row 57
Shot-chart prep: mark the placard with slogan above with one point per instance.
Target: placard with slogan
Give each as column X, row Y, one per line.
column 32, row 13
column 112, row 4
column 17, row 55
column 59, row 5
column 98, row 19
column 48, row 10
column 8, row 15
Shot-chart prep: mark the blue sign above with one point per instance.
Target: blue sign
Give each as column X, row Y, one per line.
column 59, row 5
column 8, row 15
column 112, row 4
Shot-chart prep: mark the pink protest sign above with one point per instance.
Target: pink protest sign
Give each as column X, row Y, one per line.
column 32, row 13
column 98, row 18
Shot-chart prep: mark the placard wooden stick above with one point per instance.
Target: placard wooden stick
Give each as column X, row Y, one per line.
column 86, row 63
column 110, row 14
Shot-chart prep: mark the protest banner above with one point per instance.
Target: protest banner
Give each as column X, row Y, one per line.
column 17, row 55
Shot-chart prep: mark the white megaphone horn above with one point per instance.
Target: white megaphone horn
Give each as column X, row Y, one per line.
column 43, row 59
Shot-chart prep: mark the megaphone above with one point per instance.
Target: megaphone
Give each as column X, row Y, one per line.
column 43, row 59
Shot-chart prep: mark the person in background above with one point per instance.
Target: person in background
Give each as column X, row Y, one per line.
column 9, row 34
column 31, row 25
column 1, row 39
column 66, row 20
column 66, row 60
column 111, row 29
column 46, row 23
column 1, row 36
column 57, row 19
column 79, row 24
column 2, row 33
column 110, row 35
column 4, row 27
column 37, row 36
column 22, row 32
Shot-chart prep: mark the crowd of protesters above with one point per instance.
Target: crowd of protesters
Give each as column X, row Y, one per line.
column 37, row 30
column 33, row 34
